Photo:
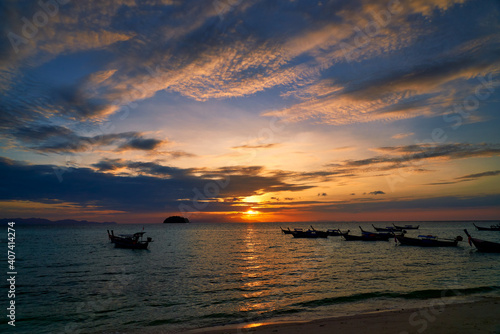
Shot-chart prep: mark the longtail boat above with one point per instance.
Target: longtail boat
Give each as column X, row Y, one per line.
column 132, row 241
column 309, row 234
column 387, row 229
column 321, row 234
column 406, row 227
column 383, row 234
column 286, row 231
column 483, row 245
column 491, row 228
column 335, row 232
column 427, row 241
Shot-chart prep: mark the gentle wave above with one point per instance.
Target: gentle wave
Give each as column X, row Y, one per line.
column 419, row 294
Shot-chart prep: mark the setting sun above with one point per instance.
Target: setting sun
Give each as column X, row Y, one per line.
column 252, row 212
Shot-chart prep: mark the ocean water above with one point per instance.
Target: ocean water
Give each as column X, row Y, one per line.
column 72, row 280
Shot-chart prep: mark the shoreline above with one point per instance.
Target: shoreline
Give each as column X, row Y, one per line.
column 438, row 316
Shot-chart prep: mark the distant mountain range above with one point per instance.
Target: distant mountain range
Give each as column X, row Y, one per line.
column 42, row 221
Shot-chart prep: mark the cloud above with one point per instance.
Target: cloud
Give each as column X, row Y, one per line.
column 143, row 168
column 434, row 203
column 74, row 41
column 408, row 155
column 76, row 28
column 377, row 192
column 198, row 50
column 254, row 146
column 367, row 205
column 466, row 178
column 428, row 89
column 479, row 175
column 434, row 76
column 402, row 135
column 59, row 139
column 395, row 157
column 445, row 151
column 179, row 154
column 146, row 144
column 344, row 148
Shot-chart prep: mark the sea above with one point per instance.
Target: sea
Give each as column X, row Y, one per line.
column 71, row 279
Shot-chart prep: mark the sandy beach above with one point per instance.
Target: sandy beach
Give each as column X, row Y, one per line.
column 437, row 317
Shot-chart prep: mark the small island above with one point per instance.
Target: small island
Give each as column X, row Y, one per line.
column 176, row 220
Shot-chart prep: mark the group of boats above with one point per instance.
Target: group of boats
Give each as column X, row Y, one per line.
column 399, row 234
column 312, row 233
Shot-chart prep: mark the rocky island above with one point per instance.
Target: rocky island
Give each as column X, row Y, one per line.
column 176, row 220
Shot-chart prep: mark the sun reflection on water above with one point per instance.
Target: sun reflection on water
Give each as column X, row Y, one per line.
column 258, row 324
column 255, row 276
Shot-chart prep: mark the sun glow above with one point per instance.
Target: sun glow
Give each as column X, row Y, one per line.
column 252, row 212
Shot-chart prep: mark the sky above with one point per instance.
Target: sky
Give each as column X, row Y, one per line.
column 250, row 111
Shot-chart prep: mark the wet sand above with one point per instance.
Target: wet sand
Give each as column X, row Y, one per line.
column 481, row 316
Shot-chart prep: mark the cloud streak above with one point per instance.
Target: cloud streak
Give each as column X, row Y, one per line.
column 467, row 178
column 59, row 139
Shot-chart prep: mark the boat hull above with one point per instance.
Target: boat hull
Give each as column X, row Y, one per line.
column 483, row 245
column 321, row 234
column 131, row 245
column 486, row 246
column 382, row 235
column 365, row 237
column 425, row 242
column 407, row 227
column 308, row 235
column 334, row 233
